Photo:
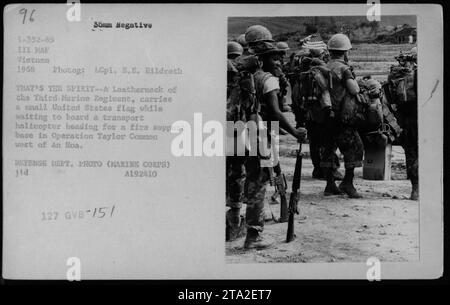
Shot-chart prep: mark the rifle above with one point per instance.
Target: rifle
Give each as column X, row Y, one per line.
column 279, row 182
column 293, row 199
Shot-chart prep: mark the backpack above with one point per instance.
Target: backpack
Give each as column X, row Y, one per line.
column 241, row 104
column 312, row 90
column 354, row 110
column 350, row 108
column 402, row 85
column 389, row 128
column 365, row 110
column 377, row 115
column 371, row 90
column 241, row 101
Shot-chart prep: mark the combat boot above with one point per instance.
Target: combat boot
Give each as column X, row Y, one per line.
column 331, row 188
column 346, row 185
column 235, row 224
column 415, row 192
column 255, row 240
column 349, row 189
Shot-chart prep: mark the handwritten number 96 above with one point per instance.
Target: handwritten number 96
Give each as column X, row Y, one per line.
column 24, row 12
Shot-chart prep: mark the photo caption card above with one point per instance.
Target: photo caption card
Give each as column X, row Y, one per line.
column 115, row 144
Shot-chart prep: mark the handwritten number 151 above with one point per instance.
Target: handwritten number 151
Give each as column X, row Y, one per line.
column 24, row 12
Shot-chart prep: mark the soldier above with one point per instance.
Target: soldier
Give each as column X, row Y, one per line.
column 235, row 172
column 267, row 88
column 234, row 50
column 317, row 55
column 406, row 113
column 295, row 67
column 343, row 86
column 280, row 73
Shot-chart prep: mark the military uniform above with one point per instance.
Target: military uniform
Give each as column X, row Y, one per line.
column 235, row 181
column 346, row 137
column 348, row 141
column 406, row 115
column 235, row 173
column 261, row 45
column 257, row 176
column 317, row 132
column 339, row 131
column 318, row 136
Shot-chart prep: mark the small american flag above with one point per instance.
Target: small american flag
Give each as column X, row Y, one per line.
column 313, row 42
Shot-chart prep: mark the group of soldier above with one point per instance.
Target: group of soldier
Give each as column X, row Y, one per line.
column 259, row 76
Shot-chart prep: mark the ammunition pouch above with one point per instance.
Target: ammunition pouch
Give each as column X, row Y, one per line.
column 352, row 112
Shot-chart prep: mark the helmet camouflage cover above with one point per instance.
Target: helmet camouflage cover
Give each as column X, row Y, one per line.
column 234, row 48
column 257, row 33
column 339, row 42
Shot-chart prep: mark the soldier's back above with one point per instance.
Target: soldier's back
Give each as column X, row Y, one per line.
column 339, row 73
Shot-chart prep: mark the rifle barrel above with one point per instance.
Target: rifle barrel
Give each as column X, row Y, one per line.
column 293, row 200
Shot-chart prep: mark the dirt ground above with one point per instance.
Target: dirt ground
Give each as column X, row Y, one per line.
column 384, row 223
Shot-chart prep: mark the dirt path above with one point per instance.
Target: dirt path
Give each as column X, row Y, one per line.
column 383, row 224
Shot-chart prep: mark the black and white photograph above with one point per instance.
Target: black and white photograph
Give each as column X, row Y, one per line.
column 346, row 90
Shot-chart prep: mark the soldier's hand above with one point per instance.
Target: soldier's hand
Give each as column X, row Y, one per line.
column 300, row 134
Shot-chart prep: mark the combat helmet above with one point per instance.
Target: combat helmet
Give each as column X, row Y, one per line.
column 257, row 33
column 339, row 42
column 234, row 48
column 283, row 46
column 373, row 86
column 265, row 48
